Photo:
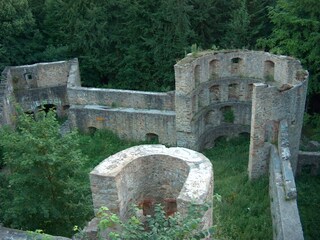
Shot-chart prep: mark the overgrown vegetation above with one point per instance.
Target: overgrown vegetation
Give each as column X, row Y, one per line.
column 311, row 126
column 228, row 115
column 43, row 185
column 48, row 173
column 243, row 212
column 158, row 226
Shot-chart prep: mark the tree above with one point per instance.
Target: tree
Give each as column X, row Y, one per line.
column 238, row 35
column 19, row 38
column 45, row 187
column 296, row 32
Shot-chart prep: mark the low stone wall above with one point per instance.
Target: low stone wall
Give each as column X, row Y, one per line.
column 40, row 75
column 153, row 173
column 309, row 160
column 14, row 234
column 282, row 191
column 32, row 99
column 121, row 98
column 127, row 123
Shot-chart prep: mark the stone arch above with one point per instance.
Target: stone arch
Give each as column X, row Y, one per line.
column 245, row 135
column 214, row 93
column 227, row 114
column 46, row 107
column 209, row 137
column 152, row 138
column 233, row 91
column 236, row 65
column 209, row 117
column 153, row 174
column 92, row 130
column 197, row 73
column 214, row 69
column 269, row 70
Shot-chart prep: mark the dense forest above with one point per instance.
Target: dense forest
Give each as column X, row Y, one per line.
column 134, row 44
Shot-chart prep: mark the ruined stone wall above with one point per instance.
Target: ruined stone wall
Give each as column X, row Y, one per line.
column 270, row 106
column 131, row 115
column 212, row 85
column 6, row 97
column 121, row 98
column 127, row 123
column 42, row 84
column 282, row 189
column 153, row 173
column 310, row 162
column 40, row 75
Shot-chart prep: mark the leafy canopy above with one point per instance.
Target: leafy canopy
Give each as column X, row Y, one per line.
column 45, row 186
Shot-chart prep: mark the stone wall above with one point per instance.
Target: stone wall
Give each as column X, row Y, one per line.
column 14, row 234
column 309, row 161
column 127, row 123
column 210, row 86
column 282, row 190
column 41, row 85
column 270, row 105
column 40, row 75
column 218, row 93
column 153, row 173
column 121, row 98
column 133, row 115
column 6, row 96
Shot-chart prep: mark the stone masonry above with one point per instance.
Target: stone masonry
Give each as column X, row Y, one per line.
column 218, row 93
column 151, row 174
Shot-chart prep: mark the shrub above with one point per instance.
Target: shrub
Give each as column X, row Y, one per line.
column 46, row 187
column 158, row 226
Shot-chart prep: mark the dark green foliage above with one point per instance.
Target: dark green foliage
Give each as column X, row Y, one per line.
column 311, row 126
column 18, row 35
column 243, row 211
column 296, row 32
column 308, row 188
column 125, row 44
column 228, row 115
column 45, row 186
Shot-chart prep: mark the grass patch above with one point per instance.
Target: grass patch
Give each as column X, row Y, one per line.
column 244, row 209
column 309, row 204
column 101, row 145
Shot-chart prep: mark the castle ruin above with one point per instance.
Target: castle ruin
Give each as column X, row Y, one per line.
column 217, row 93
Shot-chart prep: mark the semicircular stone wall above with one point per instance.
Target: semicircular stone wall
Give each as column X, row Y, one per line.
column 232, row 92
column 150, row 174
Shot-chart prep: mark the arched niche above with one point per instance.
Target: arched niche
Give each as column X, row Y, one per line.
column 233, row 91
column 152, row 138
column 236, row 65
column 269, row 70
column 214, row 69
column 227, row 114
column 197, row 73
column 214, row 93
column 92, row 130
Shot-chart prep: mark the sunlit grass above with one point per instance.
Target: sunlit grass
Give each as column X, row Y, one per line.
column 244, row 211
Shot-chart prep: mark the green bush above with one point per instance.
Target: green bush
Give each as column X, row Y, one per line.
column 158, row 226
column 45, row 187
